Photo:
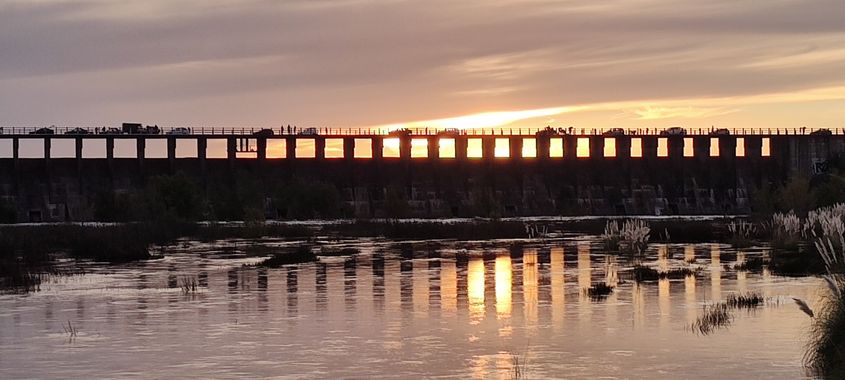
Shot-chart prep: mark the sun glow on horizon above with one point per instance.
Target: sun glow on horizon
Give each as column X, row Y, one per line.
column 480, row 120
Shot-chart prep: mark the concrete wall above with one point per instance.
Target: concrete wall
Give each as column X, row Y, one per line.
column 663, row 181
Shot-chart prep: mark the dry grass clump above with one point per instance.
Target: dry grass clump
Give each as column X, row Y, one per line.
column 786, row 230
column 632, row 237
column 825, row 353
column 741, row 233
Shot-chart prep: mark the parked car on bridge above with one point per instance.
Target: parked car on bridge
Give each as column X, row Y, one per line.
column 614, row 132
column 78, row 131
column 821, row 132
column 42, row 131
column 399, row 132
column 310, row 131
column 137, row 129
column 110, row 131
column 720, row 132
column 179, row 131
column 266, row 132
column 674, row 131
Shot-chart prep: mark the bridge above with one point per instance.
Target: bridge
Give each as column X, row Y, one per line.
column 371, row 143
column 432, row 173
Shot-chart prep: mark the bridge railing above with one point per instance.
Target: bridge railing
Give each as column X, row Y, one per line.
column 422, row 131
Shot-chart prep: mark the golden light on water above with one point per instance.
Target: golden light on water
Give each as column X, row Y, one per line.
column 475, row 288
column 529, row 287
column 504, row 277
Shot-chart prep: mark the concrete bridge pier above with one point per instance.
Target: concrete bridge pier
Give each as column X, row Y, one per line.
column 261, row 148
column 623, row 148
column 231, row 149
column 202, row 153
column 348, row 148
column 461, row 143
column 140, row 152
column 171, row 152
column 320, row 148
column 378, row 148
column 405, row 147
column 675, row 147
column 16, row 146
column 77, row 142
column 515, row 148
column 623, row 163
column 110, row 156
column 752, row 164
column 48, row 142
column 290, row 148
column 676, row 181
column 543, row 147
column 570, row 147
column 596, row 147
column 753, row 147
column 649, row 145
column 433, row 148
column 488, row 148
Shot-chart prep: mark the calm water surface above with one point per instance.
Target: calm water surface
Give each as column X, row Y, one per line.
column 442, row 309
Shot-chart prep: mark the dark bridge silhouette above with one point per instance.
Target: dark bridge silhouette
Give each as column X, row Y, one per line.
column 436, row 173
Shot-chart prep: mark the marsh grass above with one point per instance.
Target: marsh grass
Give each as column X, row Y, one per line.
column 786, row 231
column 612, row 235
column 713, row 317
column 70, row 329
column 678, row 273
column 519, row 366
column 189, row 284
column 632, row 237
column 643, row 273
column 825, row 354
column 719, row 315
column 741, row 234
column 745, row 301
column 598, row 291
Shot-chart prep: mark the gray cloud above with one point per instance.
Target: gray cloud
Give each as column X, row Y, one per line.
column 369, row 62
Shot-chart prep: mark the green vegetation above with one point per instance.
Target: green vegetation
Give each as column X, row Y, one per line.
column 301, row 199
column 802, row 194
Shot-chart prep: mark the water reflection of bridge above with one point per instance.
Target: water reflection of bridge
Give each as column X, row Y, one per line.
column 534, row 285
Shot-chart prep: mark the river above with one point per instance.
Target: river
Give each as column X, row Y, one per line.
column 412, row 309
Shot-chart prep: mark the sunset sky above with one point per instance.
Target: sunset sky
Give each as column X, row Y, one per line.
column 632, row 63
